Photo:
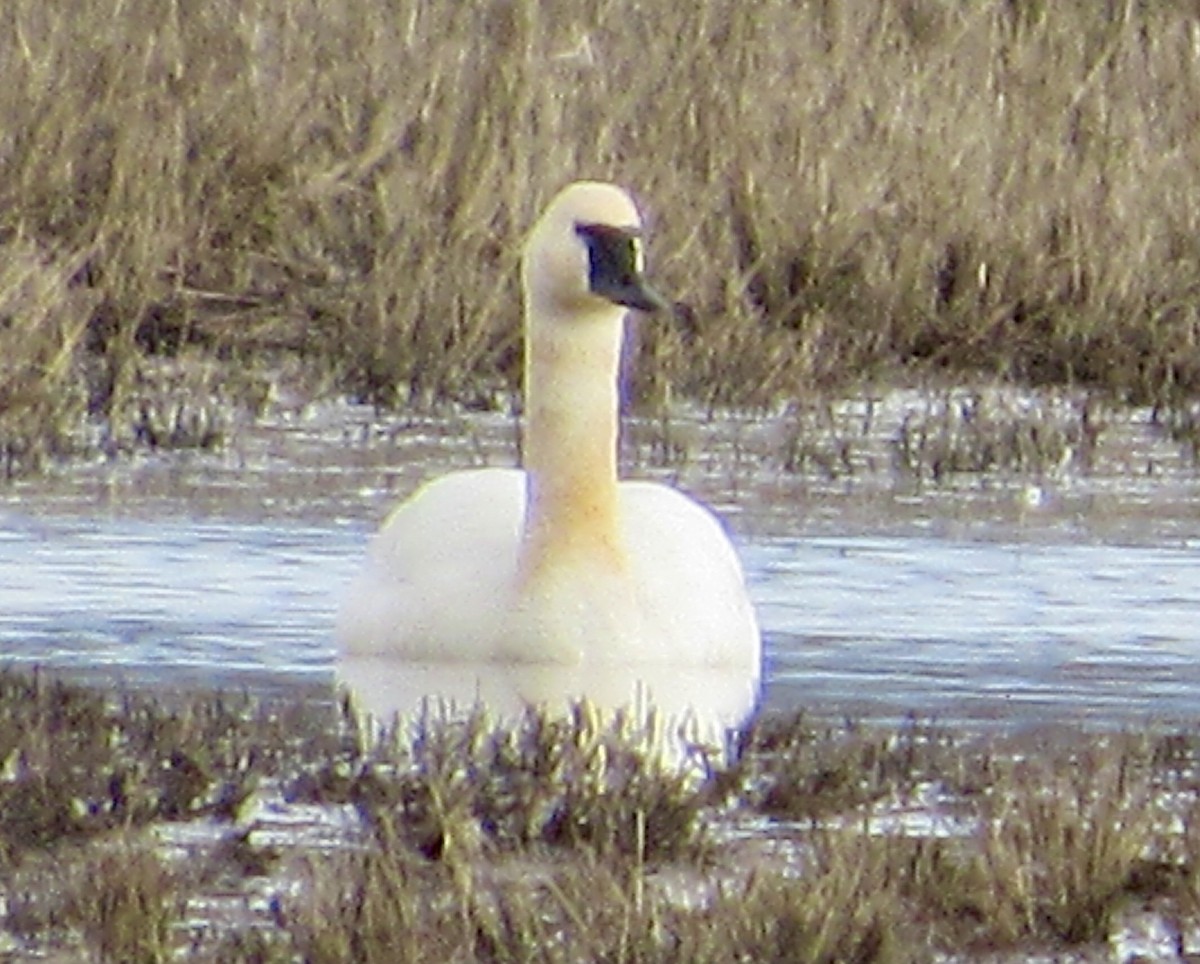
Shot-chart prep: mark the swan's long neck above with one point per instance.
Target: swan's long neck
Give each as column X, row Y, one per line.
column 571, row 410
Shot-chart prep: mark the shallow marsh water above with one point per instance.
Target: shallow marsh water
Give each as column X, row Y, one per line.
column 1024, row 597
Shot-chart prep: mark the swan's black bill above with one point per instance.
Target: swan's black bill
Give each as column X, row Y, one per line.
column 616, row 266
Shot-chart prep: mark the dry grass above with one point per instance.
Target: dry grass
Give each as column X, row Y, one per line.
column 801, row 770
column 837, row 190
column 77, row 766
column 553, row 840
column 118, row 904
column 1063, row 842
column 389, row 909
column 582, row 781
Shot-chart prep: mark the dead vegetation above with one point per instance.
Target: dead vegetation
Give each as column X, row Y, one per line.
column 553, row 839
column 995, row 187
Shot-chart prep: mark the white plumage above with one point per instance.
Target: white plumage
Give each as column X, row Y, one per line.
column 560, row 563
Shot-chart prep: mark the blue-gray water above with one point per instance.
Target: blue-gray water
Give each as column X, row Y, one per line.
column 876, row 626
column 1076, row 599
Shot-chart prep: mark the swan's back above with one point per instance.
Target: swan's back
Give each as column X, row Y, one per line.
column 439, row 574
column 690, row 581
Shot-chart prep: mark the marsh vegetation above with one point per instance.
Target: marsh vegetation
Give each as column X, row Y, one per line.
column 134, row 829
column 203, row 203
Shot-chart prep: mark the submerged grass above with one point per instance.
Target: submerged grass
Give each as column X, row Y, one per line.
column 837, row 190
column 559, row 839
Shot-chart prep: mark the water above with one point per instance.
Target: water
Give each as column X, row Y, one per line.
column 981, row 630
column 173, row 601
column 990, row 600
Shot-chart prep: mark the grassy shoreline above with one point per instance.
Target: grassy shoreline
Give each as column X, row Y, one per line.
column 999, row 188
column 138, row 830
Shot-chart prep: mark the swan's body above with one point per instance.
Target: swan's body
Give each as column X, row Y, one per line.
column 560, row 563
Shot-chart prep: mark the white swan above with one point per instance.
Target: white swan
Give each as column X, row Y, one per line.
column 560, row 563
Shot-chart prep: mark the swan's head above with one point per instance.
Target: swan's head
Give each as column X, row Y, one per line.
column 585, row 252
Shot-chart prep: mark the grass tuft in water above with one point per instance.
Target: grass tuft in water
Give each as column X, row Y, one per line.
column 1061, row 847
column 578, row 781
column 78, row 765
column 982, row 433
column 794, row 768
column 385, row 908
column 120, row 901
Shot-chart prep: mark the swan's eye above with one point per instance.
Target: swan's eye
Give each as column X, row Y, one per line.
column 639, row 255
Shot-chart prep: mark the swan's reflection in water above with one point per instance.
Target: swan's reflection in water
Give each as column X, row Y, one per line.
column 688, row 706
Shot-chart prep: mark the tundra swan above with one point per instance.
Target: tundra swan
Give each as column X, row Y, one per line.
column 559, row 563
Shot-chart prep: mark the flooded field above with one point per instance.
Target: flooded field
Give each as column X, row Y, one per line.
column 1034, row 591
